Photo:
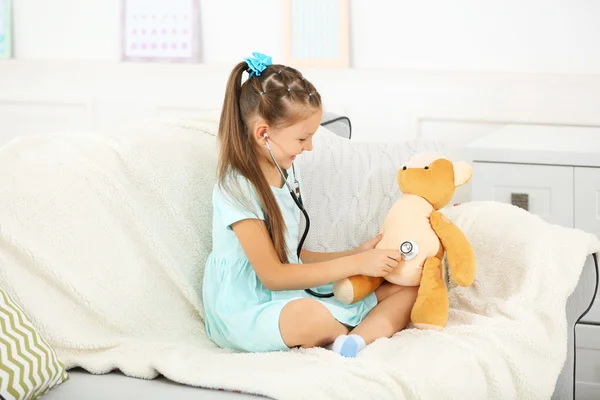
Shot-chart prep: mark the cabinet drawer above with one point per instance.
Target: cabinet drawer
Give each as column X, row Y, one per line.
column 545, row 190
column 588, row 362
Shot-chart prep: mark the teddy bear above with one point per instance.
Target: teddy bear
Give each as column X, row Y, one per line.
column 423, row 235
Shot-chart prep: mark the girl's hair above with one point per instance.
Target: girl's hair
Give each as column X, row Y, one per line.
column 281, row 97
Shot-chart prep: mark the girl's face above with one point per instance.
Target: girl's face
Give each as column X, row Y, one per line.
column 287, row 143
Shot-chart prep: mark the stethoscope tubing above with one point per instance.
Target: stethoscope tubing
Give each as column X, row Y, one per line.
column 300, row 204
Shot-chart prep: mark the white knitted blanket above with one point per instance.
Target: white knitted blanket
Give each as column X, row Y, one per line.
column 102, row 242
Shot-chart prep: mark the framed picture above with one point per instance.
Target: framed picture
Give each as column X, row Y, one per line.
column 160, row 30
column 318, row 33
column 5, row 28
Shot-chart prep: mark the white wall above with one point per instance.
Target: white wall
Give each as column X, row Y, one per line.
column 435, row 68
column 43, row 96
column 475, row 35
column 502, row 35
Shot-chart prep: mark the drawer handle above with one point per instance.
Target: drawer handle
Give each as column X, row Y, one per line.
column 520, row 200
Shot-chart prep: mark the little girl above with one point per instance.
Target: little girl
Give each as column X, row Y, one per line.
column 254, row 282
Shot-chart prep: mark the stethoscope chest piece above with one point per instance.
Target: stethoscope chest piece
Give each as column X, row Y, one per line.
column 409, row 250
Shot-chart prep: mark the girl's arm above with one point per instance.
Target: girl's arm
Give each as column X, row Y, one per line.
column 256, row 243
column 315, row 257
column 309, row 257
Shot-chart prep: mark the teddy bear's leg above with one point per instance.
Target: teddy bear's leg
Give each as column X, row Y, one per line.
column 431, row 307
column 355, row 288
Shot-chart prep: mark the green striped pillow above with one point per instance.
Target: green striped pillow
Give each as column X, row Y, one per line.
column 29, row 367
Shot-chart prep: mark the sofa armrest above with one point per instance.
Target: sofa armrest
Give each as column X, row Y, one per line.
column 338, row 124
column 579, row 303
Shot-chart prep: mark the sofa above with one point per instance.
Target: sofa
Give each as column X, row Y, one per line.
column 114, row 385
column 87, row 381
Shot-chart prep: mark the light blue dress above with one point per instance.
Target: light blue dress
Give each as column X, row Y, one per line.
column 241, row 314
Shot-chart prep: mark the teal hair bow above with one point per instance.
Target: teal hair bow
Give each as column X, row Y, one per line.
column 258, row 63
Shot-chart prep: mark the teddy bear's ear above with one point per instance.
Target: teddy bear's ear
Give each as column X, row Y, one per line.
column 462, row 173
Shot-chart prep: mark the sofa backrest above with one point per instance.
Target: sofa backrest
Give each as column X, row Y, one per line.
column 349, row 187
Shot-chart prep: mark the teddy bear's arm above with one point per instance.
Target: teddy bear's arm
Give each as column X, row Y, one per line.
column 459, row 252
column 355, row 288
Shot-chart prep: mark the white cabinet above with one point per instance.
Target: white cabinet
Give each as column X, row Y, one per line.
column 553, row 172
column 546, row 190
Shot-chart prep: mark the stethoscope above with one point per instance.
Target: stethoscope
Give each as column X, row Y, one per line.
column 408, row 249
column 297, row 196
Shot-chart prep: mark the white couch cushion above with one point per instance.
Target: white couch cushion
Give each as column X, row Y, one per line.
column 113, row 223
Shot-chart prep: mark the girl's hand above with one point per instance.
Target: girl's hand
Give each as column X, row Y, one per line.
column 376, row 262
column 369, row 244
